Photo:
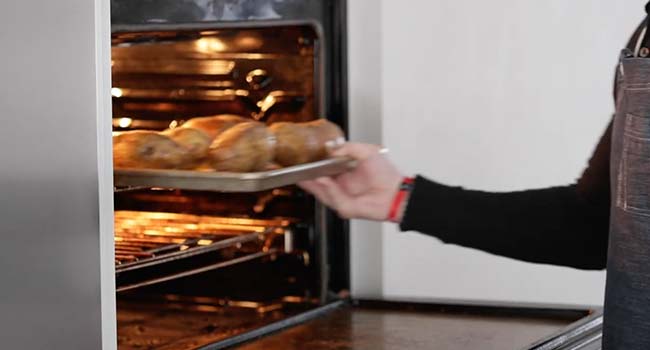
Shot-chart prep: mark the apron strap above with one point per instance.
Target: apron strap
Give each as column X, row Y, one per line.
column 642, row 48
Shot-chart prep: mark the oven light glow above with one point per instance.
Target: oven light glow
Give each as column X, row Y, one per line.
column 204, row 242
column 125, row 122
column 116, row 92
column 206, row 308
column 250, row 42
column 246, row 304
column 207, row 45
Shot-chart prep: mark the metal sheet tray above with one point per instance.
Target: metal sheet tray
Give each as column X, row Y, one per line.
column 230, row 182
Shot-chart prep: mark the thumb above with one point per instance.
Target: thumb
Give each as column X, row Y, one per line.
column 357, row 151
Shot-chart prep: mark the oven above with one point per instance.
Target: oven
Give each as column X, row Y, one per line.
column 89, row 265
column 207, row 269
column 224, row 265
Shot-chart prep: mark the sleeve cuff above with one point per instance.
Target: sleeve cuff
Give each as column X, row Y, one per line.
column 428, row 206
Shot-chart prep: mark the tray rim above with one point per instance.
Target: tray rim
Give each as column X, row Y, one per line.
column 250, row 181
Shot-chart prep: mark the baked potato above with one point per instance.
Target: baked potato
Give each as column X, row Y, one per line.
column 329, row 135
column 195, row 141
column 148, row 150
column 296, row 143
column 299, row 143
column 244, row 147
column 214, row 125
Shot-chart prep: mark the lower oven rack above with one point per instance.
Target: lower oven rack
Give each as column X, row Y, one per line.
column 152, row 248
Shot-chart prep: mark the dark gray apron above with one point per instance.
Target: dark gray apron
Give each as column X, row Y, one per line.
column 627, row 300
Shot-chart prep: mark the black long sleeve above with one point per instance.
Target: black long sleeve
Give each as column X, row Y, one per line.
column 561, row 226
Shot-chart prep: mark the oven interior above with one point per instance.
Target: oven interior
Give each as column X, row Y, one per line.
column 194, row 268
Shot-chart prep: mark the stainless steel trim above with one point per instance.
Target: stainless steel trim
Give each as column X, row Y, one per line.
column 584, row 334
column 56, row 200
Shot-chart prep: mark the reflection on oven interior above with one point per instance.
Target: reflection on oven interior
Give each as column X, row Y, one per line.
column 197, row 267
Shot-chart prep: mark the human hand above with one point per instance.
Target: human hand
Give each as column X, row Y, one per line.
column 365, row 192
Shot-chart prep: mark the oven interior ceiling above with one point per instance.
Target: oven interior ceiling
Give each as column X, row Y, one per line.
column 194, row 267
column 161, row 79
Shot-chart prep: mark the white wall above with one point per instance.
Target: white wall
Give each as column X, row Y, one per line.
column 494, row 95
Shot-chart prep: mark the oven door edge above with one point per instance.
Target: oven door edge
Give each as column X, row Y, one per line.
column 277, row 326
column 584, row 334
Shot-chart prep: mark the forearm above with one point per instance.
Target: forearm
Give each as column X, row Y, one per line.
column 553, row 226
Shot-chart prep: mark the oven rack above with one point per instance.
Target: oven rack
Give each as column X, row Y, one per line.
column 152, row 248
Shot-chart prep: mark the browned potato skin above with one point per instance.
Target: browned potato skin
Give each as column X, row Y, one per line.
column 300, row 143
column 245, row 147
column 147, row 150
column 215, row 125
column 296, row 143
column 195, row 141
column 329, row 136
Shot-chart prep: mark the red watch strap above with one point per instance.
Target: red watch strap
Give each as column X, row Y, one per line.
column 404, row 188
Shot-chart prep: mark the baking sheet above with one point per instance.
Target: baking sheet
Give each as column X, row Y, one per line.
column 230, row 182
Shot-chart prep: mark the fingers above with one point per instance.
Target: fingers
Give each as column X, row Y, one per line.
column 357, row 151
column 331, row 194
column 316, row 190
column 339, row 200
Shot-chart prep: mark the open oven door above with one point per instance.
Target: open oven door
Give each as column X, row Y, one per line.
column 366, row 324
